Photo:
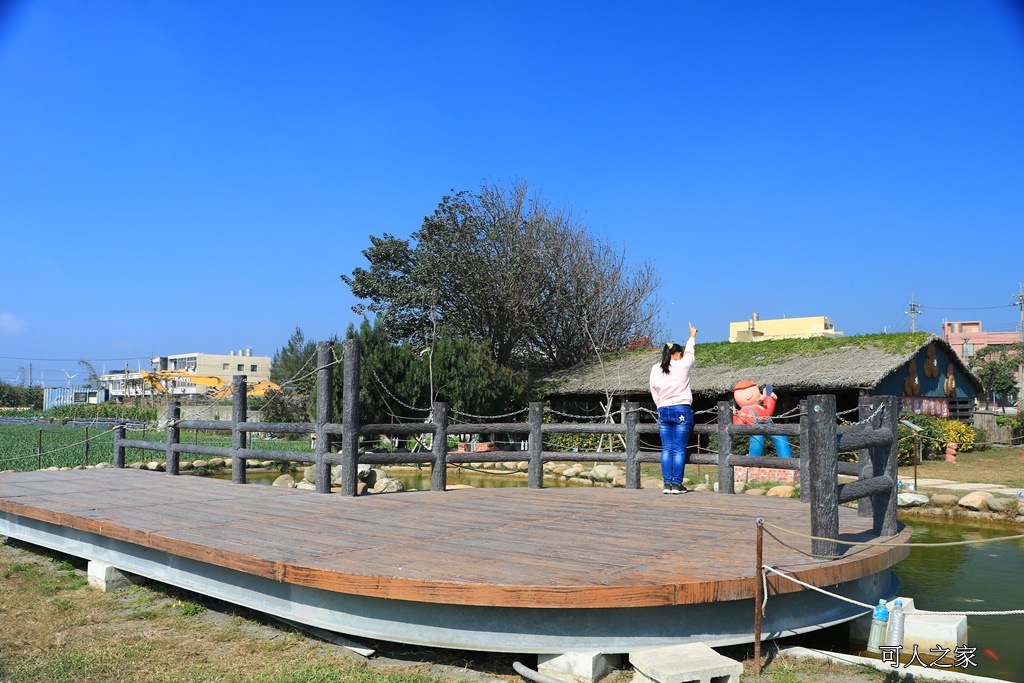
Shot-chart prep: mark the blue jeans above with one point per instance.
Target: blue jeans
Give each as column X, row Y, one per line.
column 675, row 424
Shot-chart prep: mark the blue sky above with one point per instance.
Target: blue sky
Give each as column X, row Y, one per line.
column 196, row 176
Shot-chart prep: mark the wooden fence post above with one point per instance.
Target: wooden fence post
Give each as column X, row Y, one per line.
column 822, row 451
column 885, row 461
column 173, row 436
column 119, row 432
column 632, row 421
column 725, row 474
column 350, row 419
column 535, row 446
column 324, row 414
column 865, row 407
column 806, row 483
column 239, row 414
column 439, row 447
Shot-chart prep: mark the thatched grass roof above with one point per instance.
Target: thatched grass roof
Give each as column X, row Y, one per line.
column 857, row 362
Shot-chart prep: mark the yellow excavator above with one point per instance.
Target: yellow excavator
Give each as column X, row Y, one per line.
column 177, row 382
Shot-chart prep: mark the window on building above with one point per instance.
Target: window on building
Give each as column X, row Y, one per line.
column 241, row 367
column 227, row 366
column 968, row 349
column 252, row 368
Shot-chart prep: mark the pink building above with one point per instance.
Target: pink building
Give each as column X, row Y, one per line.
column 967, row 338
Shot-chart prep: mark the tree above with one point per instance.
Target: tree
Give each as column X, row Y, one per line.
column 996, row 366
column 399, row 383
column 92, row 378
column 507, row 269
column 294, row 364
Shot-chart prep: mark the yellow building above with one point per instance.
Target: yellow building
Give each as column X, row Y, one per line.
column 756, row 329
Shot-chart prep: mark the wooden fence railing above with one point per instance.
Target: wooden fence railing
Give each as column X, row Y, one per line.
column 821, row 440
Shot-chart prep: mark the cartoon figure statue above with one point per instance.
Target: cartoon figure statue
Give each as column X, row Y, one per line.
column 757, row 408
column 912, row 383
column 950, row 384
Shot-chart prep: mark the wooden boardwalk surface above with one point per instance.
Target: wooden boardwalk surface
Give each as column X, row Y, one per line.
column 514, row 547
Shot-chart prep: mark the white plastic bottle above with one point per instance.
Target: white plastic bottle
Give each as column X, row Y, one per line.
column 894, row 632
column 876, row 636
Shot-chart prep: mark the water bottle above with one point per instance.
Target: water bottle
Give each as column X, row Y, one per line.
column 894, row 633
column 876, row 636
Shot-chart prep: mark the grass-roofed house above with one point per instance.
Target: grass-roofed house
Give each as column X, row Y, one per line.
column 921, row 368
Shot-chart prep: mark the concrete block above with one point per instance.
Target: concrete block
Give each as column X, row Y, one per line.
column 690, row 663
column 107, row 577
column 578, row 667
column 928, row 630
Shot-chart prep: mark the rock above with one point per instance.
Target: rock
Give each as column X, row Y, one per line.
column 976, row 500
column 606, row 472
column 305, row 485
column 998, row 503
column 251, row 464
column 754, row 492
column 783, row 491
column 216, row 462
column 155, row 466
column 285, row 481
column 573, row 471
column 136, row 465
column 184, row 466
column 200, row 464
column 650, row 483
column 309, row 474
column 102, row 465
column 65, row 469
column 911, row 500
column 619, row 481
column 523, row 465
column 387, row 485
column 944, row 499
column 702, row 487
column 266, row 464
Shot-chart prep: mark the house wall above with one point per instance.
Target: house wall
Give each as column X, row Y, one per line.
column 784, row 328
column 928, row 394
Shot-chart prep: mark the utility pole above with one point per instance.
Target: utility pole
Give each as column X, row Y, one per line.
column 1020, row 354
column 915, row 310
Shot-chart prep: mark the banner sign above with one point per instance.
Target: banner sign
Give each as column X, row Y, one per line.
column 939, row 407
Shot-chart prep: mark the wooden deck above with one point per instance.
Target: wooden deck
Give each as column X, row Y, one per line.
column 510, row 547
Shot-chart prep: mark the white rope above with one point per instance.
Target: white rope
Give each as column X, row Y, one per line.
column 866, row 606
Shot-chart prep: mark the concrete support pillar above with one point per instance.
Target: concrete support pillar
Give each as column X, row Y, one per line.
column 107, row 577
column 578, row 667
column 692, row 663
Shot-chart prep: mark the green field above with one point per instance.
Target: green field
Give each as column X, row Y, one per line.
column 30, row 447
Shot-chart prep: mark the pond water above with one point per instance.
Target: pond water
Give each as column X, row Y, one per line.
column 981, row 577
column 972, row 578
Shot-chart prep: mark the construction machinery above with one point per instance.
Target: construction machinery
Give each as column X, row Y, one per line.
column 185, row 383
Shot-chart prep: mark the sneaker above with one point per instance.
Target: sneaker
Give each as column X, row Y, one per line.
column 681, row 489
column 667, row 489
column 675, row 488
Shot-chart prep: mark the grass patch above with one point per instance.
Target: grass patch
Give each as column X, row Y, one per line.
column 1001, row 465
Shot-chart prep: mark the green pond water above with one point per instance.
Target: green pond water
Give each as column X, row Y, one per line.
column 972, row 578
column 982, row 577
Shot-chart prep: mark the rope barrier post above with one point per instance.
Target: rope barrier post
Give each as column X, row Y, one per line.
column 119, row 431
column 823, row 468
column 86, row 458
column 439, row 448
column 633, row 445
column 758, row 594
column 917, row 457
column 173, row 437
column 39, row 452
column 239, row 414
column 535, row 446
column 725, row 473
